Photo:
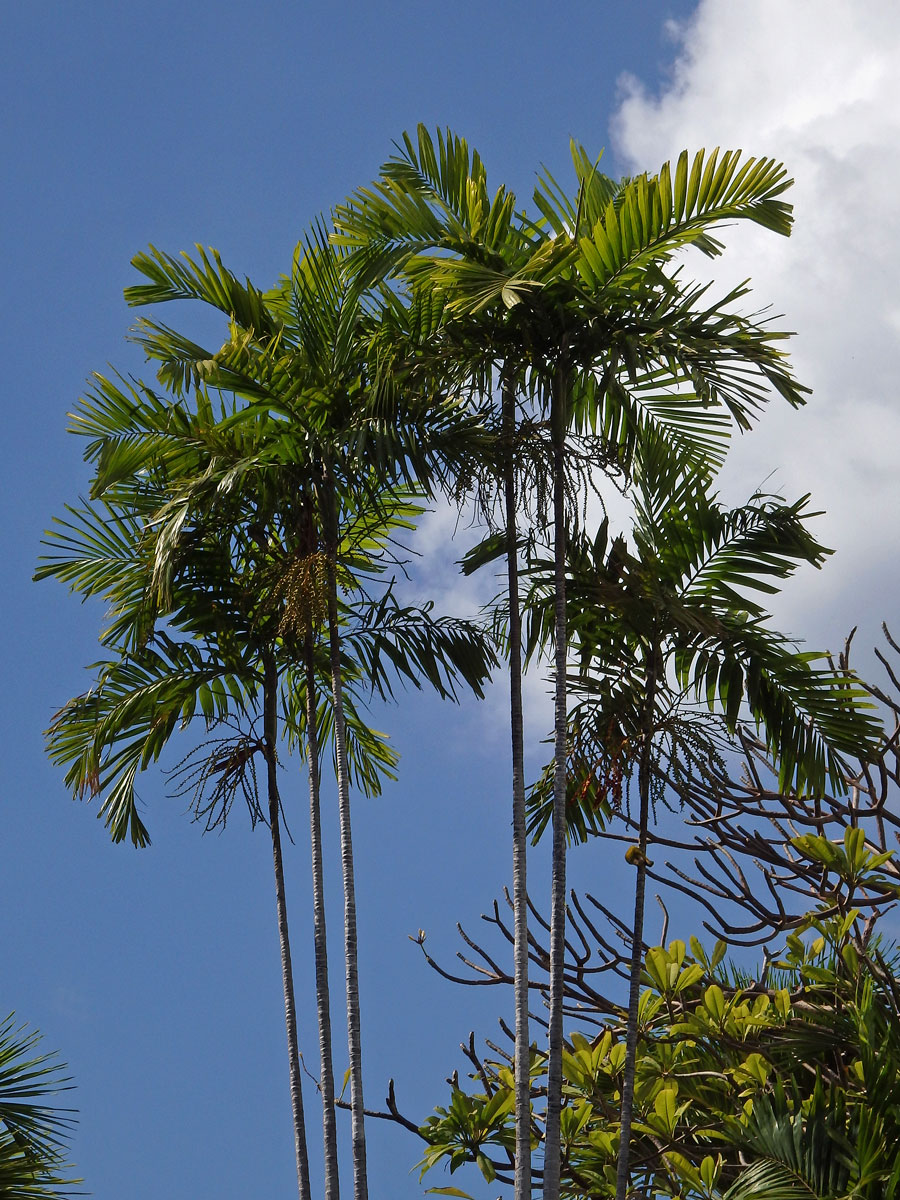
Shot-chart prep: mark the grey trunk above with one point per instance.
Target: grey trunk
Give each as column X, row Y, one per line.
column 323, row 1008
column 358, row 1130
column 270, row 727
column 520, row 844
column 552, row 1147
column 637, row 944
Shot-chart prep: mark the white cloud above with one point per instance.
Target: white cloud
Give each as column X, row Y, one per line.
column 442, row 538
column 813, row 83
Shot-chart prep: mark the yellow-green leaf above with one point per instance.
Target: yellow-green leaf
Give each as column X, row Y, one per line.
column 714, row 1000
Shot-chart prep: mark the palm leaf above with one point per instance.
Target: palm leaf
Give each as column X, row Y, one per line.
column 106, row 736
column 406, row 643
column 99, row 552
column 33, row 1131
column 204, row 278
column 652, row 216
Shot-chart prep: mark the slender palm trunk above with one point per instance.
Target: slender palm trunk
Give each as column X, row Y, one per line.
column 270, row 730
column 552, row 1147
column 520, row 841
column 323, row 1008
column 637, row 940
column 358, row 1130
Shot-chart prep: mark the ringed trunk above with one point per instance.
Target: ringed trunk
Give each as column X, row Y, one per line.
column 323, row 1007
column 552, row 1146
column 637, row 945
column 358, row 1131
column 520, row 843
column 270, row 728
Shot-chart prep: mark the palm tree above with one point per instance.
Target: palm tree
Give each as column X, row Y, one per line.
column 678, row 618
column 314, row 373
column 33, row 1131
column 578, row 307
column 232, row 596
column 436, row 196
column 224, row 665
column 282, row 484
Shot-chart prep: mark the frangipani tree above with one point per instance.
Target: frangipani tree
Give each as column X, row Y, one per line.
column 774, row 1081
column 671, row 632
column 777, row 1082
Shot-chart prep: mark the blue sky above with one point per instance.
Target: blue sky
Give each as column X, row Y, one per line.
column 156, row 973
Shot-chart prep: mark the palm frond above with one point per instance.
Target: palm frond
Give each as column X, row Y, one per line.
column 34, row 1131
column 652, row 216
column 204, row 278
column 394, row 642
column 110, row 733
column 100, row 551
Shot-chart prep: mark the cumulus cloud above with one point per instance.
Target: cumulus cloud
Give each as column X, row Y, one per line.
column 443, row 537
column 814, row 84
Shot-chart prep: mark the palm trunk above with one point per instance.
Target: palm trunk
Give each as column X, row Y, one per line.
column 637, row 941
column 270, row 729
column 552, row 1147
column 520, row 843
column 323, row 1009
column 358, row 1130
